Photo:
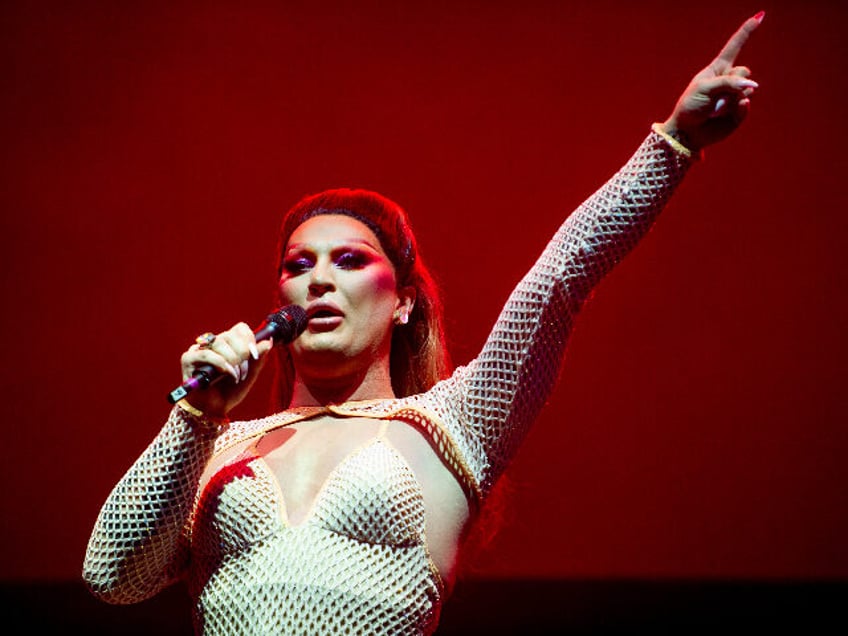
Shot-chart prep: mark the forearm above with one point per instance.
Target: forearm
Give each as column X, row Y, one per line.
column 136, row 547
column 504, row 388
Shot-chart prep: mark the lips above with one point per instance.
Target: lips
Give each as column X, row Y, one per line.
column 323, row 310
column 323, row 316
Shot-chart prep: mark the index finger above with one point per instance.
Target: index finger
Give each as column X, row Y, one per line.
column 737, row 40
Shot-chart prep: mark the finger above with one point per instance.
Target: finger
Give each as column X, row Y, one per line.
column 726, row 84
column 744, row 108
column 234, row 350
column 739, row 71
column 736, row 105
column 720, row 92
column 740, row 110
column 237, row 340
column 264, row 347
column 198, row 356
column 244, row 340
column 734, row 45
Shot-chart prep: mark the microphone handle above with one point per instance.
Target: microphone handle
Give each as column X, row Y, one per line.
column 202, row 378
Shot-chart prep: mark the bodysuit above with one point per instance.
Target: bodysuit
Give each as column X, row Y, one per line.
column 358, row 563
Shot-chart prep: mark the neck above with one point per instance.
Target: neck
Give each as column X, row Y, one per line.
column 372, row 384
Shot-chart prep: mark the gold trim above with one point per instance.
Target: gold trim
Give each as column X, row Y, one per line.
column 437, row 433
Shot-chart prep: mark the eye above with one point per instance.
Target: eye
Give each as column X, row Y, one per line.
column 351, row 260
column 296, row 265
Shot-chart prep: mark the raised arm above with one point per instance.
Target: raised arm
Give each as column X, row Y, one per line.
column 489, row 405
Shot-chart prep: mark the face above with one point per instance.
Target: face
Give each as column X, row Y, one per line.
column 335, row 268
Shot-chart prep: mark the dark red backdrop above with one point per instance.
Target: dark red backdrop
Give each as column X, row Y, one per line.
column 148, row 151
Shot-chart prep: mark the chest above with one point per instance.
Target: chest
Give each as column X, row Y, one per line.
column 363, row 478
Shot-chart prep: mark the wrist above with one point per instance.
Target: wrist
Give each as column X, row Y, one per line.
column 677, row 139
column 201, row 421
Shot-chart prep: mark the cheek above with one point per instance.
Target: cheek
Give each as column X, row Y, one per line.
column 378, row 289
column 289, row 291
column 384, row 281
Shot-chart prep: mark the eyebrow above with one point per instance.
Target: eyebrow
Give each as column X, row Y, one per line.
column 335, row 244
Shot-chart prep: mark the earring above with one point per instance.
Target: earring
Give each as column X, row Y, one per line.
column 401, row 317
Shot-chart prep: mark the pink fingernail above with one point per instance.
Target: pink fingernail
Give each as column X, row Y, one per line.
column 759, row 17
column 232, row 371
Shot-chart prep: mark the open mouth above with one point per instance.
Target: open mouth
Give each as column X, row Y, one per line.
column 323, row 313
column 324, row 317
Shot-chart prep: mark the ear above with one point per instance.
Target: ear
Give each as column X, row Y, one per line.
column 405, row 303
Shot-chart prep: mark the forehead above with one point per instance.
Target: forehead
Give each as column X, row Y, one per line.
column 333, row 228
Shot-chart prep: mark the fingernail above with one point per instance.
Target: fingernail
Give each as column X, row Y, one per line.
column 254, row 352
column 759, row 17
column 746, row 83
column 232, row 371
column 243, row 369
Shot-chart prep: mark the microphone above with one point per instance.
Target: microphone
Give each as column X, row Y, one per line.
column 283, row 326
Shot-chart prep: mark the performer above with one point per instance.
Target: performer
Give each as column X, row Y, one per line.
column 345, row 511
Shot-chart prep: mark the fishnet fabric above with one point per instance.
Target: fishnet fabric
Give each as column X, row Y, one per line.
column 354, row 566
column 358, row 564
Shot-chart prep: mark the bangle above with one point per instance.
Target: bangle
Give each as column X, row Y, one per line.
column 678, row 140
column 204, row 423
column 188, row 408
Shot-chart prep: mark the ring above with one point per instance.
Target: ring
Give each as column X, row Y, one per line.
column 205, row 339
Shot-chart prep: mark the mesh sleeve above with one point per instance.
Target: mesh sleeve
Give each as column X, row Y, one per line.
column 489, row 405
column 137, row 546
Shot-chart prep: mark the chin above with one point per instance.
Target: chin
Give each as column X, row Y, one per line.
column 331, row 352
column 326, row 348
column 318, row 343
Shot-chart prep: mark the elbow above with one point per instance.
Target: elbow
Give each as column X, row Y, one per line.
column 106, row 583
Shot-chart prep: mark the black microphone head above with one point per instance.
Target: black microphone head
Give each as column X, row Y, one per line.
column 290, row 322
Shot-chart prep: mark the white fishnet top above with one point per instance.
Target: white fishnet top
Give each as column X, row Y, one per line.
column 359, row 563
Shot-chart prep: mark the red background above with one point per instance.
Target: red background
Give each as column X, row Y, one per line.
column 150, row 149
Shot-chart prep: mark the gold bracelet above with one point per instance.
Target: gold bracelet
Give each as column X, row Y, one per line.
column 674, row 142
column 188, row 408
column 208, row 424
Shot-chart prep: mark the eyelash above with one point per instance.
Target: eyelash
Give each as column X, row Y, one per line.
column 345, row 260
column 295, row 266
column 351, row 260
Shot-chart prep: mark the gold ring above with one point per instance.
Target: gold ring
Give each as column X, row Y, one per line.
column 205, row 340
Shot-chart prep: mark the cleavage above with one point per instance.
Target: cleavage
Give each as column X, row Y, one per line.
column 302, row 456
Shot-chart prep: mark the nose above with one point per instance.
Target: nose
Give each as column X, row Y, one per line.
column 321, row 278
